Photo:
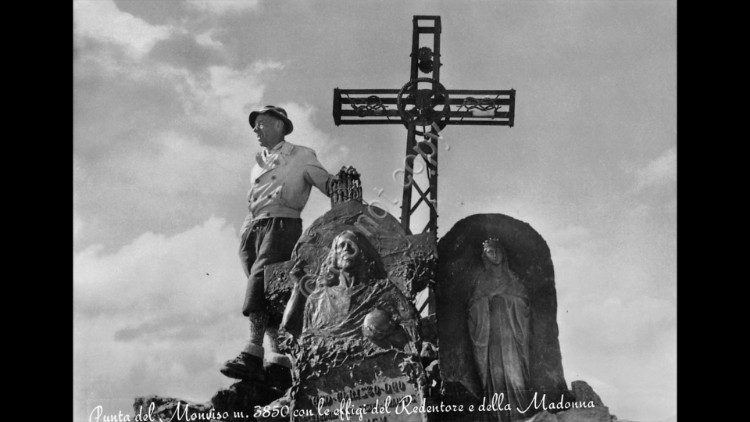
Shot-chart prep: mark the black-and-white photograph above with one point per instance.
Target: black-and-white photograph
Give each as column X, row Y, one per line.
column 339, row 210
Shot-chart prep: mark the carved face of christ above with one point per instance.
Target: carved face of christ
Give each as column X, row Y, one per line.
column 347, row 252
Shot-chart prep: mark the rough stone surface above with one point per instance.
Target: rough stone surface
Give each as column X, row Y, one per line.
column 529, row 259
column 224, row 405
column 168, row 408
column 584, row 393
column 596, row 414
column 543, row 416
column 429, row 329
column 242, row 397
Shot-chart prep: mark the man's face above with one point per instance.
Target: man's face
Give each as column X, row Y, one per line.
column 269, row 130
column 347, row 252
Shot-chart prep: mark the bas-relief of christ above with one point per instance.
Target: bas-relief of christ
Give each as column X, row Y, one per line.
column 353, row 298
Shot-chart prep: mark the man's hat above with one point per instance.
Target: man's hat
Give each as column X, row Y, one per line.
column 274, row 111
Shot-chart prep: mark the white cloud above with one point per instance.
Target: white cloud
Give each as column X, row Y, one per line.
column 102, row 20
column 222, row 99
column 260, row 66
column 220, row 7
column 235, row 92
column 308, row 134
column 160, row 273
column 186, row 165
column 661, row 170
column 206, row 39
column 157, row 316
column 208, row 150
column 618, row 321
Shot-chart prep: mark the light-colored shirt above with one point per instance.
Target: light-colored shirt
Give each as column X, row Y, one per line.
column 281, row 181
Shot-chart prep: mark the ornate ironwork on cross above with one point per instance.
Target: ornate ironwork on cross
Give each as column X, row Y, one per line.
column 424, row 107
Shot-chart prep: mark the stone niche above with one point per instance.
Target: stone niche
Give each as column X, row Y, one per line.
column 529, row 258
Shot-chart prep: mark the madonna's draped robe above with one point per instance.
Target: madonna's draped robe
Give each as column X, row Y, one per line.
column 498, row 323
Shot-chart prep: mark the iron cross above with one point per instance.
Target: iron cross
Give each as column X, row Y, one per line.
column 424, row 107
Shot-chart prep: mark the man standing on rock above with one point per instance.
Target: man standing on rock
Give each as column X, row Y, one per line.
column 282, row 178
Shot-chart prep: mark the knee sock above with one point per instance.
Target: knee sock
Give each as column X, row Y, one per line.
column 271, row 341
column 258, row 322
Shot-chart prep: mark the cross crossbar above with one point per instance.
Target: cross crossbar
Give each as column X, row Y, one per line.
column 467, row 106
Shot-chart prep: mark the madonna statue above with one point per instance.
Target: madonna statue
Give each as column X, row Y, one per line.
column 498, row 325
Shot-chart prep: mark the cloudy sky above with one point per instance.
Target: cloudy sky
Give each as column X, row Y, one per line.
column 162, row 155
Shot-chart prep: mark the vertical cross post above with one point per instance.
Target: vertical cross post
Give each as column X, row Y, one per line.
column 430, row 163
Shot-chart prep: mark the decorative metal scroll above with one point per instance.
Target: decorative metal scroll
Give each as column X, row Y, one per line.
column 373, row 104
column 482, row 104
column 483, row 107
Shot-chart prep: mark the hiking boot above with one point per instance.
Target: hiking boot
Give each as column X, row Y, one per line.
column 244, row 367
column 278, row 376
